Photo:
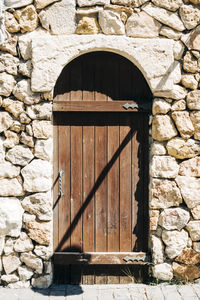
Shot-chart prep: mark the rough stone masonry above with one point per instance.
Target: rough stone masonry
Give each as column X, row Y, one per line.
column 162, row 38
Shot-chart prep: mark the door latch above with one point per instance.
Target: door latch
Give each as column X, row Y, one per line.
column 130, row 105
column 60, row 174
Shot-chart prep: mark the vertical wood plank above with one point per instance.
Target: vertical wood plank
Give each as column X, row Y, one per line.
column 125, row 192
column 101, row 193
column 113, row 189
column 88, row 184
column 135, row 180
column 125, row 185
column 76, row 186
column 64, row 201
column 113, row 192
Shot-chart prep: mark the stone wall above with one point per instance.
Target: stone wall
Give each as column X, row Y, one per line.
column 162, row 38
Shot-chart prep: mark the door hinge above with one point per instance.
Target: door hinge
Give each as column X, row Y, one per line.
column 130, row 105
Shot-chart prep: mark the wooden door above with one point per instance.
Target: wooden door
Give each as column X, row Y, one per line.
column 102, row 150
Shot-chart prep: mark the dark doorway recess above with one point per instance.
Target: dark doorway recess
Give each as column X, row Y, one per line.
column 101, row 149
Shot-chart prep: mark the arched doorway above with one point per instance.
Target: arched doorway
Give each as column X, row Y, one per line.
column 101, row 103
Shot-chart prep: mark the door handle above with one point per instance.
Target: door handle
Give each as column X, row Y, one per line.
column 60, row 174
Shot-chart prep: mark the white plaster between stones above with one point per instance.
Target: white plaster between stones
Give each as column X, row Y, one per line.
column 154, row 57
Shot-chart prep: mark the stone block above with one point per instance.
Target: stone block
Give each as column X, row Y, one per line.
column 11, row 45
column 196, row 212
column 177, row 93
column 19, row 155
column 8, row 63
column 26, row 139
column 158, row 148
column 11, row 23
column 160, row 106
column 192, row 40
column 39, row 4
column 164, row 167
column 42, row 282
column 175, row 242
column 189, row 257
column 168, row 4
column 23, row 243
column 11, row 263
column 39, row 232
column 194, row 230
column 193, row 100
column 166, row 17
column 42, row 111
column 12, row 139
column 142, row 25
column 182, row 149
column 10, row 217
column 10, row 187
column 189, row 81
column 111, row 23
column 25, row 68
column 190, row 16
column 190, row 188
column 164, row 193
column 13, row 106
column 157, row 250
column 7, row 83
column 44, row 149
column 39, row 204
column 153, row 219
column 25, row 273
column 37, row 176
column 42, row 129
column 27, row 18
column 87, row 25
column 195, row 118
column 22, row 91
column 32, row 261
column 190, row 167
column 48, row 60
column 135, row 3
column 92, row 2
column 7, row 170
column 184, row 272
column 8, row 247
column 183, row 123
column 43, row 252
column 17, row 3
column 170, row 33
column 174, row 218
column 190, row 63
column 163, row 128
column 178, row 50
column 5, row 121
column 9, row 278
column 178, row 105
column 163, row 271
column 65, row 23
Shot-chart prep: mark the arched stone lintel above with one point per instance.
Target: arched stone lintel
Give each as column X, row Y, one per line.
column 153, row 57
